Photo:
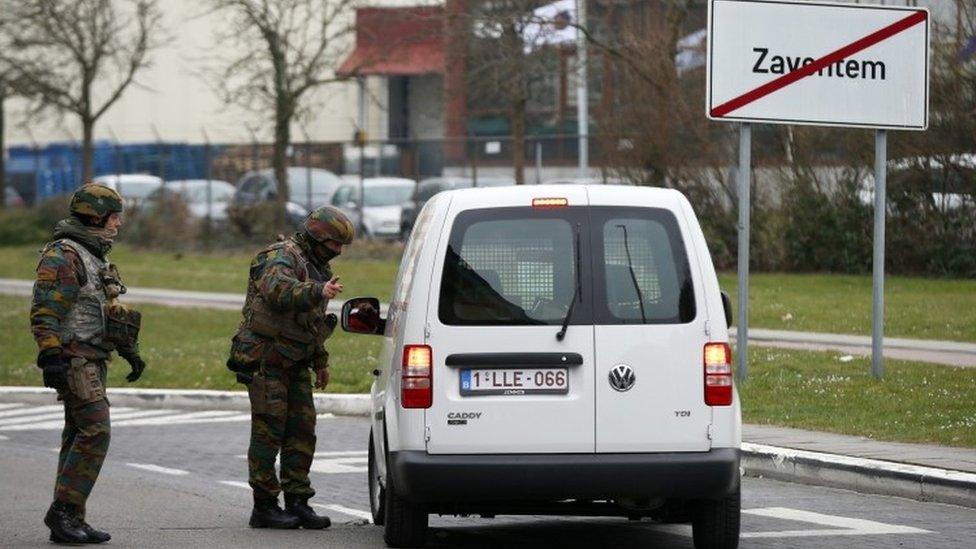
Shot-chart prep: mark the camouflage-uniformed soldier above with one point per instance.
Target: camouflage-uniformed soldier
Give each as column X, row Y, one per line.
column 280, row 339
column 74, row 296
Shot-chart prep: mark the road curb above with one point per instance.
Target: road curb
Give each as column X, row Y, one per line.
column 758, row 460
column 339, row 404
column 870, row 476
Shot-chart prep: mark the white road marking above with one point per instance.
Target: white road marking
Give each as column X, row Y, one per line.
column 236, row 484
column 33, row 410
column 846, row 526
column 340, row 465
column 841, row 526
column 346, row 511
column 37, row 418
column 340, row 453
column 158, row 469
column 9, row 405
column 326, row 415
column 212, row 416
column 56, row 421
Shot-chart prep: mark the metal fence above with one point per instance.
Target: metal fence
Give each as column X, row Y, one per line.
column 38, row 173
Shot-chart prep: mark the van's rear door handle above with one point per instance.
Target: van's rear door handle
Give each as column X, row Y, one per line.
column 508, row 360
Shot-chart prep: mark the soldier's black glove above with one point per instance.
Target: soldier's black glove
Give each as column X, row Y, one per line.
column 137, row 364
column 55, row 370
column 246, row 379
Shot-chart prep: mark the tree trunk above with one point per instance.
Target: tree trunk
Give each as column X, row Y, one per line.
column 280, row 159
column 518, row 140
column 3, row 150
column 87, row 150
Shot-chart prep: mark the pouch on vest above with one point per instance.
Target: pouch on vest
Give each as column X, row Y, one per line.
column 85, row 382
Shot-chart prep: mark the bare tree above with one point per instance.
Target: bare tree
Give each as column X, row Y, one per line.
column 507, row 61
column 283, row 50
column 76, row 56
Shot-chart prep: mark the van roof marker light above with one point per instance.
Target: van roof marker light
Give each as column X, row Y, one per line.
column 550, row 202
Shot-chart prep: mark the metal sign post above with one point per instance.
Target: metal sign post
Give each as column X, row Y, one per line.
column 745, row 182
column 877, row 300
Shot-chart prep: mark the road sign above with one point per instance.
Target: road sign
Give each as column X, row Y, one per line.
column 815, row 63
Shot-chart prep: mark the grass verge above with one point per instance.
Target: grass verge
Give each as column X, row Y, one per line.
column 915, row 402
column 918, row 308
column 921, row 308
column 207, row 272
column 184, row 348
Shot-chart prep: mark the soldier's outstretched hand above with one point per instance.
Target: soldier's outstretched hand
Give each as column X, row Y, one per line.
column 332, row 288
column 321, row 378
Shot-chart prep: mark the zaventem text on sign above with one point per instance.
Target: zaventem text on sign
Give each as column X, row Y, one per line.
column 845, row 68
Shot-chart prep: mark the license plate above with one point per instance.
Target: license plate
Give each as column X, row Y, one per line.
column 514, row 381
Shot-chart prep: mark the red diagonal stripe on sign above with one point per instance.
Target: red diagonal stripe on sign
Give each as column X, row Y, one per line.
column 822, row 63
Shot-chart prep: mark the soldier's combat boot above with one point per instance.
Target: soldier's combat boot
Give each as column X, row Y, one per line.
column 267, row 514
column 298, row 506
column 60, row 518
column 94, row 536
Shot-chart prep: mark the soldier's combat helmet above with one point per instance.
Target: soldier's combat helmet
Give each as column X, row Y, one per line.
column 329, row 223
column 95, row 202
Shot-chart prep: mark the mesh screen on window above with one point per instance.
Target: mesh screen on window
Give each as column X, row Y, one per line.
column 638, row 250
column 511, row 271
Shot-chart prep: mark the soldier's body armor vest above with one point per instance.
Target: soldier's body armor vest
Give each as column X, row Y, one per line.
column 85, row 321
column 297, row 333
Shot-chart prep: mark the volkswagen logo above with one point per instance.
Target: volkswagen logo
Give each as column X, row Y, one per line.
column 622, row 377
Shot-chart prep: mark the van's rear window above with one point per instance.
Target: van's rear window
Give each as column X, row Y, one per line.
column 508, row 269
column 517, row 266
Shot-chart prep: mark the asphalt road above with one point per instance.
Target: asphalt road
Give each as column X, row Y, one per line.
column 176, row 479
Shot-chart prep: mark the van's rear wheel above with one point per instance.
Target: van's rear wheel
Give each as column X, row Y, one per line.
column 715, row 523
column 405, row 522
column 377, row 494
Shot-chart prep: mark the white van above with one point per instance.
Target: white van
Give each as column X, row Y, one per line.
column 554, row 350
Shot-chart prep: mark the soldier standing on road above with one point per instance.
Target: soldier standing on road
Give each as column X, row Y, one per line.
column 281, row 337
column 77, row 323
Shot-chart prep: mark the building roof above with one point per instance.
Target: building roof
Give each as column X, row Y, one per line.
column 397, row 42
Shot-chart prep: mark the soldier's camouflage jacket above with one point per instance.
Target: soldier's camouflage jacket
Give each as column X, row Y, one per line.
column 284, row 312
column 61, row 274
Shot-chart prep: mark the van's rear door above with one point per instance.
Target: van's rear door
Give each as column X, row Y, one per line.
column 502, row 382
column 650, row 328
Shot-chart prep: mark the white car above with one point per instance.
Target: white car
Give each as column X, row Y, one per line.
column 382, row 208
column 133, row 187
column 203, row 197
column 554, row 349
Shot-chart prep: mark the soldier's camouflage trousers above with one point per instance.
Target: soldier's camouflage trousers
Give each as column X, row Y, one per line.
column 87, row 430
column 282, row 420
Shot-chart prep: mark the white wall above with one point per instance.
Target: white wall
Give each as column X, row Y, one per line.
column 175, row 98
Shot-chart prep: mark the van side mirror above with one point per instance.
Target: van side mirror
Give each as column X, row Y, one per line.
column 361, row 315
column 727, row 305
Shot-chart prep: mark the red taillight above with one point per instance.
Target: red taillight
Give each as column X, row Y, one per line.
column 718, row 374
column 416, row 382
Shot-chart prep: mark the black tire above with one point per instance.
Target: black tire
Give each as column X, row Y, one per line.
column 405, row 523
column 715, row 523
column 377, row 494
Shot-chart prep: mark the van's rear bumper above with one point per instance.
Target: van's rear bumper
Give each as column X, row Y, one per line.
column 423, row 477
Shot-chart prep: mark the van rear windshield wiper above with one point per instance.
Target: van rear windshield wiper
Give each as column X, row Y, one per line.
column 577, row 291
column 633, row 275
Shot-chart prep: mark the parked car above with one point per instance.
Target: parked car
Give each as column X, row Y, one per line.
column 133, row 187
column 383, row 205
column 943, row 183
column 200, row 201
column 427, row 188
column 12, row 199
column 587, row 181
column 554, row 349
column 305, row 193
